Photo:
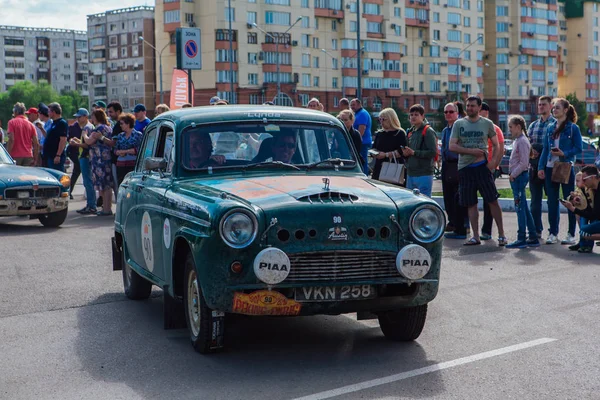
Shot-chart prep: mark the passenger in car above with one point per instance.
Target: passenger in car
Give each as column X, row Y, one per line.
column 284, row 147
column 200, row 151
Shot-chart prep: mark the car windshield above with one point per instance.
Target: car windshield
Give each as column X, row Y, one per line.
column 244, row 144
column 4, row 157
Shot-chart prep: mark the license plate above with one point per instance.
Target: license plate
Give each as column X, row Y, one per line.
column 335, row 293
column 33, row 203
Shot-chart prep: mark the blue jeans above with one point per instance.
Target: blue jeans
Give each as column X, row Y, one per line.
column 524, row 218
column 86, row 175
column 423, row 183
column 536, row 187
column 364, row 153
column 588, row 227
column 60, row 166
column 552, row 190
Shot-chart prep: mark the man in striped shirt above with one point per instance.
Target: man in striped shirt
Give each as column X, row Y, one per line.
column 537, row 132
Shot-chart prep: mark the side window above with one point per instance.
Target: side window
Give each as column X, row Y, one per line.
column 148, row 145
column 165, row 145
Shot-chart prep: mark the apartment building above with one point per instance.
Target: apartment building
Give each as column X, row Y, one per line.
column 413, row 51
column 580, row 74
column 121, row 64
column 526, row 50
column 58, row 56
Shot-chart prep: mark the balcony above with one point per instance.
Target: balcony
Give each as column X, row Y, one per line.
column 42, row 58
column 329, row 13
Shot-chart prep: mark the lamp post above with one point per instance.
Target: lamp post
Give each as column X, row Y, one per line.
column 230, row 53
column 479, row 37
column 141, row 38
column 326, row 78
column 276, row 40
column 343, row 66
column 506, row 96
column 358, row 14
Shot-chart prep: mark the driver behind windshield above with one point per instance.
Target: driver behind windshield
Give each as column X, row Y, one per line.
column 284, row 147
column 200, row 151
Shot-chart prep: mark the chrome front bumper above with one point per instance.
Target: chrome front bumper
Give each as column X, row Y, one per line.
column 13, row 207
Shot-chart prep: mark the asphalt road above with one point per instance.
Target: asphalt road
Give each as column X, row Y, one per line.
column 520, row 324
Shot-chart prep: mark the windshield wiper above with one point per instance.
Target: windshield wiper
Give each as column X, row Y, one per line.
column 271, row 164
column 334, row 161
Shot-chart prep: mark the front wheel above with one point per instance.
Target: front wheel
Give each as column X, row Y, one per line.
column 403, row 325
column 55, row 219
column 205, row 326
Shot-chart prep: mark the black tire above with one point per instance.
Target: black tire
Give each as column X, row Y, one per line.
column 135, row 287
column 198, row 316
column 55, row 219
column 403, row 325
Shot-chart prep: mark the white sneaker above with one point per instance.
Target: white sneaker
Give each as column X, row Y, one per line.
column 552, row 239
column 570, row 239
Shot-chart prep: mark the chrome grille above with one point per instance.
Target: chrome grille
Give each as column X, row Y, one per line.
column 41, row 193
column 329, row 197
column 342, row 265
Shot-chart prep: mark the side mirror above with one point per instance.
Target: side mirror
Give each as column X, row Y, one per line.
column 155, row 164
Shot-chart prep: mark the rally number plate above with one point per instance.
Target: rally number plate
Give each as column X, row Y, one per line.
column 335, row 293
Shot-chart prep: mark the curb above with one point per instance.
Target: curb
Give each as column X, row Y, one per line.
column 507, row 205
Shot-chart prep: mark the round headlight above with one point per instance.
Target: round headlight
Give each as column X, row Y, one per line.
column 238, row 229
column 427, row 224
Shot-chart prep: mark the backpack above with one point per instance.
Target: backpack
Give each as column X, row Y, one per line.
column 437, row 149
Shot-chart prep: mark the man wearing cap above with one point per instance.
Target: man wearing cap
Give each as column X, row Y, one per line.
column 22, row 145
column 73, row 151
column 214, row 100
column 141, row 121
column 56, row 138
column 99, row 105
column 488, row 219
column 83, row 125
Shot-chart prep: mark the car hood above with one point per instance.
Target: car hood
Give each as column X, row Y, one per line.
column 272, row 192
column 14, row 175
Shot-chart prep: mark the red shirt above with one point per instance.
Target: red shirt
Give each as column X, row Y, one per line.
column 23, row 133
column 500, row 137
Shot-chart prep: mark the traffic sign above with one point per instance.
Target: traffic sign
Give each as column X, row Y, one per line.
column 189, row 54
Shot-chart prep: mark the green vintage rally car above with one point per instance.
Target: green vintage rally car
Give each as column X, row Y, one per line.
column 263, row 210
column 40, row 193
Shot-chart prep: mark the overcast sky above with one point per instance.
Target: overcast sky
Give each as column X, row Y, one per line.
column 65, row 14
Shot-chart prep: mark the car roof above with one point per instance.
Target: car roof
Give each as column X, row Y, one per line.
column 209, row 114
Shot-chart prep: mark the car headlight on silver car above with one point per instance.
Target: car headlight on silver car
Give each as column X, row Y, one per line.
column 427, row 224
column 238, row 228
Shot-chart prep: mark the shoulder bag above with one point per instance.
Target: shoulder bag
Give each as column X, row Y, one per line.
column 561, row 171
column 392, row 172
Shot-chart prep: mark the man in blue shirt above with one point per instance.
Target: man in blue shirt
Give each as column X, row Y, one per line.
column 362, row 123
column 141, row 121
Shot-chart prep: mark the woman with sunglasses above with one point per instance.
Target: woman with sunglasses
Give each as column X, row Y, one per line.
column 390, row 140
column 127, row 144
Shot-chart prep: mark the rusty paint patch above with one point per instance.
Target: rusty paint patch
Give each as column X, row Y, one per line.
column 265, row 302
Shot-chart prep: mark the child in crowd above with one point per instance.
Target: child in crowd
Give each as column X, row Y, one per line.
column 581, row 198
column 518, row 168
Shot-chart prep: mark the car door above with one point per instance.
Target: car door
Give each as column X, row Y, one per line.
column 138, row 249
column 155, row 228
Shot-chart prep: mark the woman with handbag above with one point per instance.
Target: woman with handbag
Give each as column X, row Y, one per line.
column 561, row 143
column 389, row 142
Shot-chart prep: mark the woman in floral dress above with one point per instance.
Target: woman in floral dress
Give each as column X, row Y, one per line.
column 100, row 154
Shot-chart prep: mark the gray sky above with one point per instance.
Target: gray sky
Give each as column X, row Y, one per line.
column 65, row 14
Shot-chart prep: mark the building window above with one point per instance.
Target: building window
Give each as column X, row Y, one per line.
column 315, row 42
column 398, row 12
column 223, row 55
column 373, row 27
column 254, row 99
column 334, row 44
column 304, row 4
column 305, row 22
column 172, row 16
column 454, row 18
column 252, row 38
column 252, row 79
column 251, row 17
column 316, row 81
column 502, row 43
column 135, row 51
column 436, row 34
column 229, row 14
column 334, row 83
column 306, row 60
column 315, row 62
column 501, row 11
column 304, row 98
column 306, row 80
column 252, row 58
column 277, row 18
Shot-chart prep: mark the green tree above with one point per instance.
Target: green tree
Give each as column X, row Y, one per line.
column 581, row 112
column 32, row 94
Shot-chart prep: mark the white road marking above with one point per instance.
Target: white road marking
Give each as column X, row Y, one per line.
column 422, row 371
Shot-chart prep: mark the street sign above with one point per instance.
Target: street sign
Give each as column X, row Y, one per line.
column 189, row 54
